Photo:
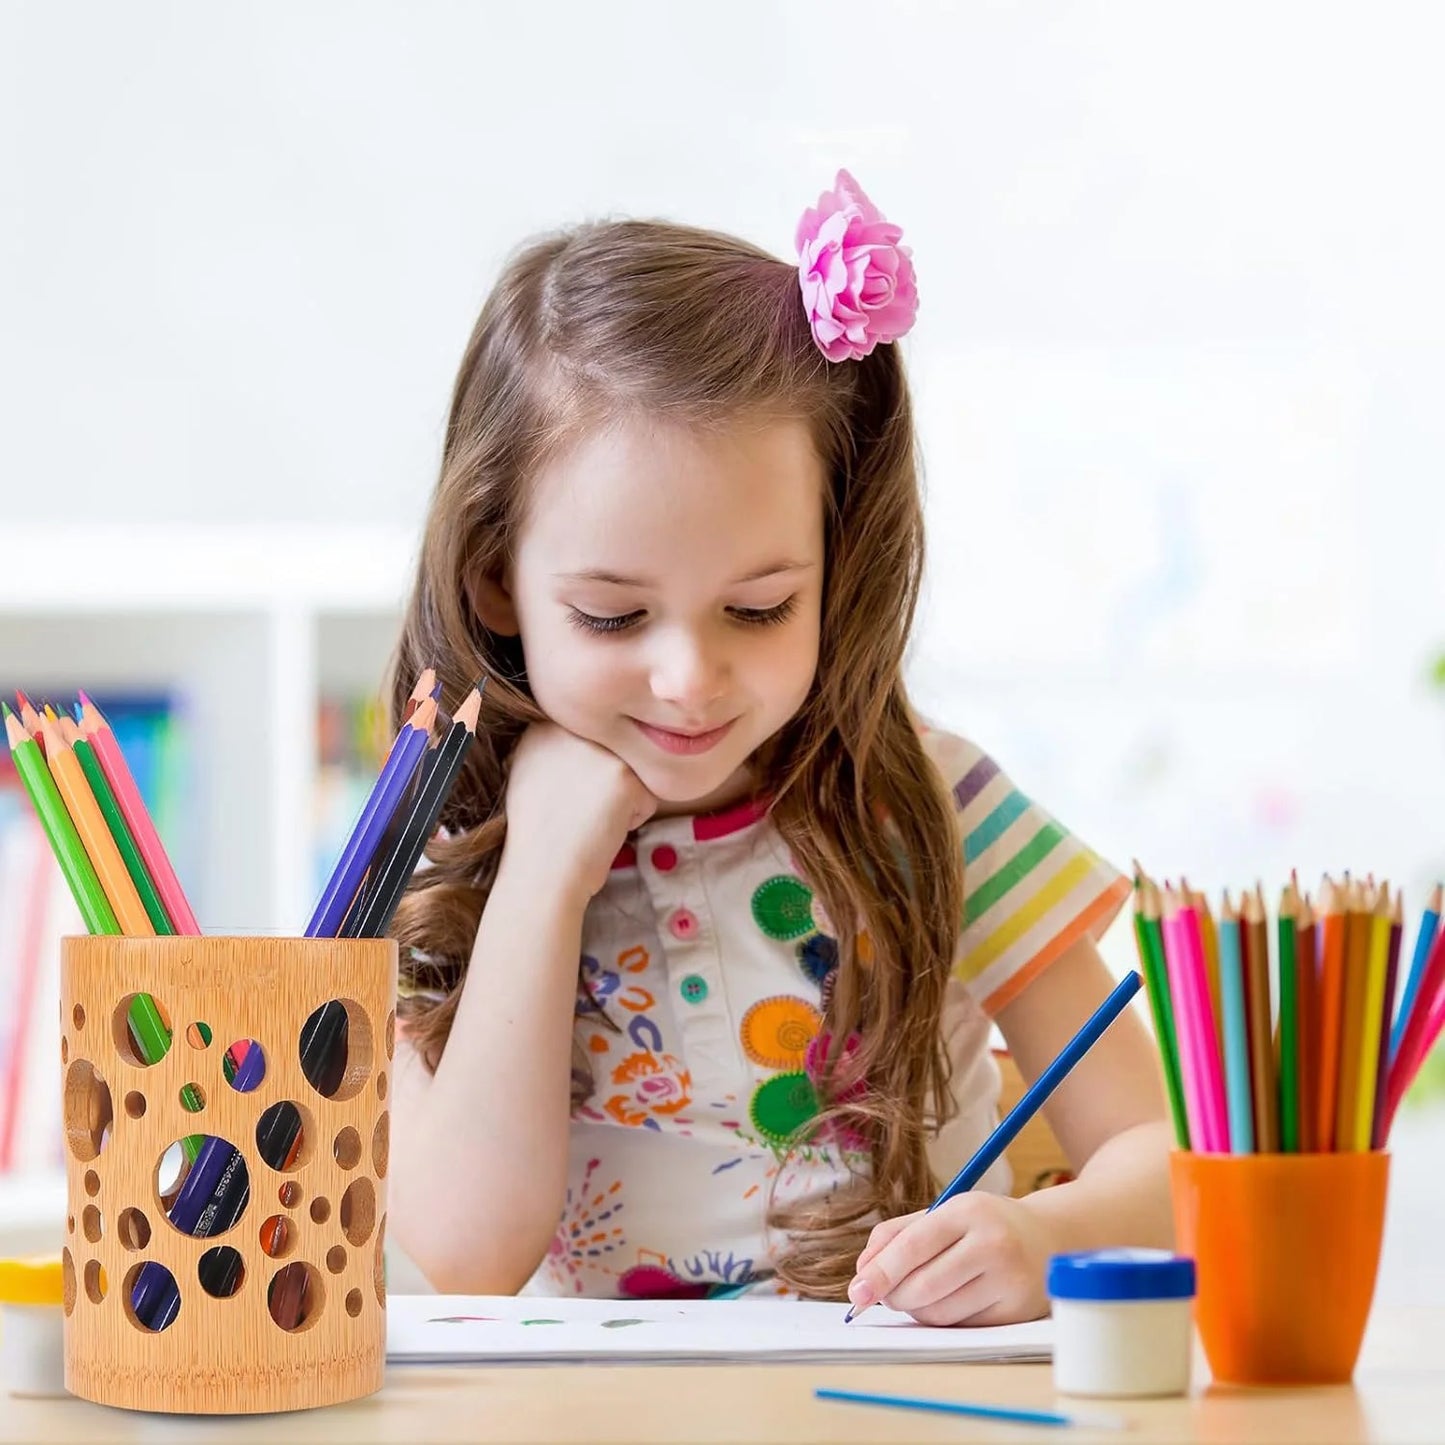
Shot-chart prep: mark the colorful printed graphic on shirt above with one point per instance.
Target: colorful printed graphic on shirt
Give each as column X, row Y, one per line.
column 588, row 1232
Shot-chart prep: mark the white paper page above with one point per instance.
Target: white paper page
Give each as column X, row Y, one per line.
column 444, row 1329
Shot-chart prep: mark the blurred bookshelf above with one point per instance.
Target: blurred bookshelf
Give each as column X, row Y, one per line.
column 243, row 666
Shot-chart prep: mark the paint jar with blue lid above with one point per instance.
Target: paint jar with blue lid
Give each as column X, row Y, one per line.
column 1122, row 1322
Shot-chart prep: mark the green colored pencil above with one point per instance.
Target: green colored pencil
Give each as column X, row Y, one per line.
column 54, row 818
column 120, row 831
column 1149, row 939
column 1289, row 1099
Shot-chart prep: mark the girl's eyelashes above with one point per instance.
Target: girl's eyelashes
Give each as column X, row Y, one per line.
column 748, row 616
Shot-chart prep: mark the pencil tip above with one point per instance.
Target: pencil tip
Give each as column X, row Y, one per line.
column 84, row 698
column 848, row 1318
column 5, row 708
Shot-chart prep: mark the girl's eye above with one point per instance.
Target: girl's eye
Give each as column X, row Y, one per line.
column 765, row 616
column 588, row 623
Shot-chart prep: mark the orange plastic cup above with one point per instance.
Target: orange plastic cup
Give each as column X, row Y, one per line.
column 1285, row 1248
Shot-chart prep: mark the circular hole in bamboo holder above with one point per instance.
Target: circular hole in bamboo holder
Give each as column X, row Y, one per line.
column 193, row 1098
column 229, row 1188
column 285, row 1135
column 135, row 1104
column 278, row 1237
column 70, row 1224
column 358, row 1211
column 336, row 1049
column 390, row 1034
column 124, row 1039
column 146, row 1283
column 381, row 1145
column 378, row 1264
column 95, row 1281
column 198, row 1036
column 77, row 1016
column 290, row 1194
column 87, row 1110
column 133, row 1228
column 64, row 1049
column 296, row 1296
column 346, row 1148
column 67, row 1281
column 222, row 1271
column 353, row 1302
column 320, row 1210
column 92, row 1183
column 250, row 1065
column 92, row 1226
column 336, row 1259
column 381, row 1086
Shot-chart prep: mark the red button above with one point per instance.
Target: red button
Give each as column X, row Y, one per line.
column 683, row 923
column 664, row 857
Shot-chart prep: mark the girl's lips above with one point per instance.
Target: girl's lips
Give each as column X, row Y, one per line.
column 683, row 743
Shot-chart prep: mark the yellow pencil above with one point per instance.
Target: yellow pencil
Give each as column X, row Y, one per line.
column 89, row 822
column 1359, row 911
column 1374, row 1002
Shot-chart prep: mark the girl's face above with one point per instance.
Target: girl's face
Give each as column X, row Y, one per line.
column 667, row 587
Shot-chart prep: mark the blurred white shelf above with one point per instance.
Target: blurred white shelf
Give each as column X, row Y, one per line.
column 56, row 570
column 32, row 1212
column 248, row 625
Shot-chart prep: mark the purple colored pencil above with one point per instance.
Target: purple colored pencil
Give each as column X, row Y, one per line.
column 391, row 785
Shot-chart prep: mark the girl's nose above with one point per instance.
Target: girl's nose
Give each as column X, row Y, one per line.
column 689, row 673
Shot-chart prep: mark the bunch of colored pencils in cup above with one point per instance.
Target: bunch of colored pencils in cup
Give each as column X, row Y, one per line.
column 91, row 811
column 1304, row 1047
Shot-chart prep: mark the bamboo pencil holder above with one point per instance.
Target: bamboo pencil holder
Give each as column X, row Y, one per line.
column 285, row 1308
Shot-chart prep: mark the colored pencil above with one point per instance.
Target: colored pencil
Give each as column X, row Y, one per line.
column 1288, row 1024
column 90, row 824
column 1381, row 1091
column 1235, row 1025
column 1149, row 941
column 115, row 822
column 1429, row 924
column 393, row 872
column 1332, row 928
column 1216, row 1110
column 1186, row 1016
column 1371, row 1009
column 60, row 830
column 1417, row 1037
column 976, row 1412
column 406, row 752
column 1209, row 938
column 1359, row 916
column 1307, row 995
column 1035, row 1096
column 127, row 796
column 1255, row 938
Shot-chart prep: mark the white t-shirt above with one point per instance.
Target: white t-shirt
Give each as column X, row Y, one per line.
column 711, row 957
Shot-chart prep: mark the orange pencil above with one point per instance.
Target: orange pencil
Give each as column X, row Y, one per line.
column 1359, row 913
column 1332, row 1010
column 1254, row 937
column 90, row 823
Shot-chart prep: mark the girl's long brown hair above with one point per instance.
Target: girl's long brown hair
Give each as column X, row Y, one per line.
column 700, row 328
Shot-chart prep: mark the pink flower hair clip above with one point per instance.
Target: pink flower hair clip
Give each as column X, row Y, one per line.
column 857, row 280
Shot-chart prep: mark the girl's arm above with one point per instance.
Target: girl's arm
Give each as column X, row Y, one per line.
column 480, row 1148
column 981, row 1258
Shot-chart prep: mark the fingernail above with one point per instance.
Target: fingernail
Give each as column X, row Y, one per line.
column 861, row 1293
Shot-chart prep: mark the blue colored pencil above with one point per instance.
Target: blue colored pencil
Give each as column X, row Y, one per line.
column 391, row 783
column 1429, row 926
column 1043, row 1086
column 977, row 1412
column 1236, row 1033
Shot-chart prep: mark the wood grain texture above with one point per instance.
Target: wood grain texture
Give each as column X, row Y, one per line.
column 225, row 1355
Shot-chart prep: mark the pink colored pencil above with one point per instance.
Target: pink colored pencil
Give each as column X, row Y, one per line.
column 133, row 808
column 1416, row 1040
column 1190, row 987
column 1216, row 1110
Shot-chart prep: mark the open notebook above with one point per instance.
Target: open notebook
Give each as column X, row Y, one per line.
column 454, row 1329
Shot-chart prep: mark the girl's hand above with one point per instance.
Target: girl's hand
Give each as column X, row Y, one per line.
column 570, row 807
column 979, row 1259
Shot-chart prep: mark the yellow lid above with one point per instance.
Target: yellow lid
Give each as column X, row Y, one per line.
column 34, row 1281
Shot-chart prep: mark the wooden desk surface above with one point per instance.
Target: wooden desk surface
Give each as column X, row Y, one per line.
column 1398, row 1396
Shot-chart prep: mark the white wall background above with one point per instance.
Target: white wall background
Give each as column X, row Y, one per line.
column 1179, row 359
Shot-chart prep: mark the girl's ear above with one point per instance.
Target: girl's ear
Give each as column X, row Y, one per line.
column 492, row 602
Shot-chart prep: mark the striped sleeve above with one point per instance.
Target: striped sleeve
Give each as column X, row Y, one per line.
column 1031, row 888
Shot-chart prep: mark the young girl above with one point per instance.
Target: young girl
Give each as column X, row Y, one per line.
column 697, row 987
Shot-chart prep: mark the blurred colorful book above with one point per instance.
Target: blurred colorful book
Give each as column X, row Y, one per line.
column 351, row 744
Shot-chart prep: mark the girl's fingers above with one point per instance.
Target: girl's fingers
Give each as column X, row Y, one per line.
column 975, row 1303
column 937, row 1279
column 924, row 1236
column 882, row 1234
